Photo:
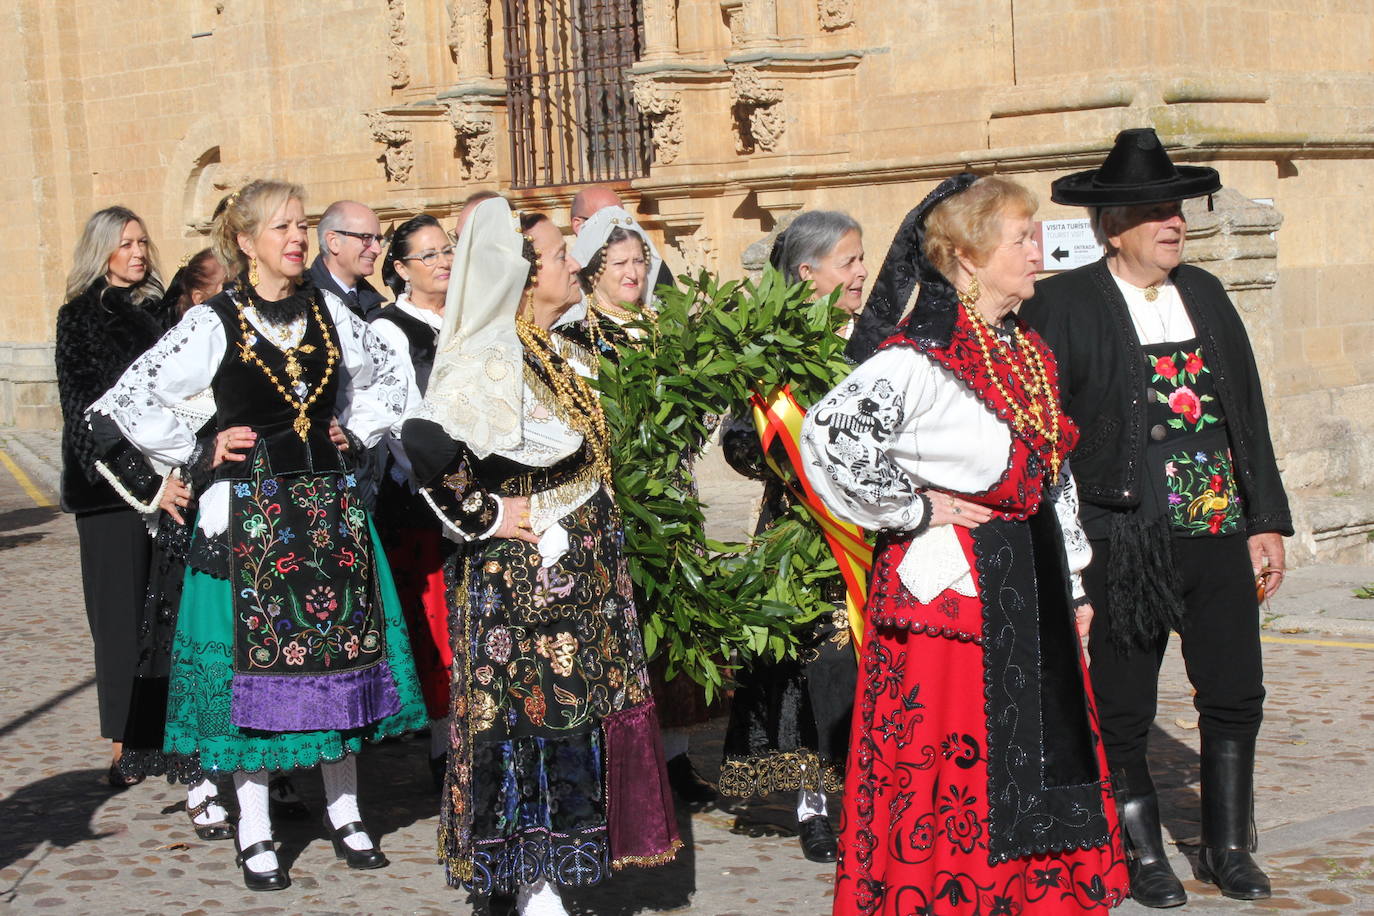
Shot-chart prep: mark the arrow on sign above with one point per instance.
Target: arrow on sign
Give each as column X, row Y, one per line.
column 1059, row 254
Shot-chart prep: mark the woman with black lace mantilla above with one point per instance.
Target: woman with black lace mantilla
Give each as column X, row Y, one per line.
column 290, row 649
column 555, row 773
column 789, row 721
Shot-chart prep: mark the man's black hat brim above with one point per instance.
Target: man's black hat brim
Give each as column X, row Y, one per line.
column 1138, row 170
column 1082, row 189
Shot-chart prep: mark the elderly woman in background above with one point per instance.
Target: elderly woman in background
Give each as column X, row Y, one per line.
column 617, row 258
column 290, row 649
column 976, row 777
column 107, row 322
column 555, row 772
column 416, row 269
column 789, row 721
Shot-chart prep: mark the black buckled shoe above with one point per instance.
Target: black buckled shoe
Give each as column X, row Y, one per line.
column 360, row 859
column 219, row 830
column 275, row 880
column 1153, row 882
column 818, row 839
column 1228, row 822
column 687, row 784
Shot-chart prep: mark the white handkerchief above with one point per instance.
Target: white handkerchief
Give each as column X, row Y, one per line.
column 553, row 543
column 936, row 562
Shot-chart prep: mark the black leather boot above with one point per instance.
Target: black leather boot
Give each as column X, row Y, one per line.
column 1228, row 819
column 1153, row 882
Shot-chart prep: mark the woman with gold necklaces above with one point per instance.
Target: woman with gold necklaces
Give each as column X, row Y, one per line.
column 555, row 773
column 290, row 648
column 976, row 781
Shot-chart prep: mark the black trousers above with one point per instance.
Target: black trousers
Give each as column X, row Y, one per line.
column 1221, row 649
column 115, row 550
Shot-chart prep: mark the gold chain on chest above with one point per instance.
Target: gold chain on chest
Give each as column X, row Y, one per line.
column 301, row 405
column 577, row 403
column 1042, row 412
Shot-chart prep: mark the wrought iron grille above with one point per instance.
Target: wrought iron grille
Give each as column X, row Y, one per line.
column 572, row 114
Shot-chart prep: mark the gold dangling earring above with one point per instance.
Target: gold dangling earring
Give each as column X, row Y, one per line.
column 253, row 272
column 969, row 296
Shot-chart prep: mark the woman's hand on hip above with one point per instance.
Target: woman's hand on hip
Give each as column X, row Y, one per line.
column 515, row 520
column 227, row 441
column 176, row 495
column 337, row 435
column 951, row 510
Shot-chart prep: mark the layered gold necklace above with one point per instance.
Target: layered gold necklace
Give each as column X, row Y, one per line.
column 1041, row 413
column 577, row 403
column 295, row 401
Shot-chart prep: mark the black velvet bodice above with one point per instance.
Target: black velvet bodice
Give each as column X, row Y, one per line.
column 422, row 338
column 246, row 396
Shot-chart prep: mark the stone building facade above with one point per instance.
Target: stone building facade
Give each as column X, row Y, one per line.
column 752, row 110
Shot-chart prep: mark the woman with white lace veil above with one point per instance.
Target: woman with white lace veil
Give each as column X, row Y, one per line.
column 290, row 649
column 555, row 772
column 975, row 766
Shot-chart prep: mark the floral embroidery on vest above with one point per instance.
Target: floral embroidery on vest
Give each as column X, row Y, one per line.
column 1181, row 371
column 1202, row 493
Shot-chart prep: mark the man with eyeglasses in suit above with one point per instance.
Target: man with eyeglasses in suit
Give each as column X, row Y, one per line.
column 350, row 242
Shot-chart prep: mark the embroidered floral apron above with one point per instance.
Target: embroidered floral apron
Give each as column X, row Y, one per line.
column 1188, row 453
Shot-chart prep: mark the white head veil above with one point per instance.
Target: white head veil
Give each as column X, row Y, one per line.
column 476, row 387
column 598, row 228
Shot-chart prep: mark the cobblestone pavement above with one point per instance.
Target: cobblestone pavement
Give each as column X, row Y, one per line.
column 69, row 844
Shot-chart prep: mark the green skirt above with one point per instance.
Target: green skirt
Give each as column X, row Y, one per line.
column 199, row 695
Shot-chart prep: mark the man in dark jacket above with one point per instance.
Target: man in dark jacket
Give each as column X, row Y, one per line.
column 350, row 241
column 1181, row 498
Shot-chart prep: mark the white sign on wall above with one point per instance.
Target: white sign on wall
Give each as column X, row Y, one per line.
column 1067, row 243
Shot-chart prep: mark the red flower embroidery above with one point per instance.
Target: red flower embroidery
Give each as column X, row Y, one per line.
column 1165, row 368
column 1214, row 523
column 1185, row 402
column 1192, row 363
column 535, row 707
column 1217, row 484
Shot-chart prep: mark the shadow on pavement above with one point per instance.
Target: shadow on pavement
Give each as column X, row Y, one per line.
column 639, row 890
column 1175, row 768
column 57, row 810
column 27, row 518
column 29, row 715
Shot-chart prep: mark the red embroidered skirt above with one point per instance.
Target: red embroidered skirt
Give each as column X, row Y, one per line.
column 915, row 830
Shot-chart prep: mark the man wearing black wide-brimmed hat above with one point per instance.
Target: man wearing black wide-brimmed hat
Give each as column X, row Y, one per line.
column 1181, row 498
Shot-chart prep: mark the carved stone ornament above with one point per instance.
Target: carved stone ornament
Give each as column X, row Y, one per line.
column 698, row 251
column 398, row 65
column 473, row 126
column 397, row 157
column 468, row 41
column 835, row 14
column 663, row 108
column 759, row 121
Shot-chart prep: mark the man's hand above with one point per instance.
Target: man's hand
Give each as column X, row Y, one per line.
column 1266, row 559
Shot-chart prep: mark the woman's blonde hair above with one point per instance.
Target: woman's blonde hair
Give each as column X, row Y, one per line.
column 99, row 240
column 245, row 212
column 970, row 222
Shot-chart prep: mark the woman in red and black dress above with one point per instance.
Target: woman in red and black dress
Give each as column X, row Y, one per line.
column 975, row 781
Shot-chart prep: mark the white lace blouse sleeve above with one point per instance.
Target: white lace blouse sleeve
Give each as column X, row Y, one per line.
column 377, row 382
column 177, row 367
column 856, row 442
column 1077, row 550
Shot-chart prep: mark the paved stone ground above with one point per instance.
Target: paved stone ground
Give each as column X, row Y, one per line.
column 69, row 844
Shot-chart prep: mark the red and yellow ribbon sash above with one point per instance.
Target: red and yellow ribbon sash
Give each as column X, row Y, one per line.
column 778, row 420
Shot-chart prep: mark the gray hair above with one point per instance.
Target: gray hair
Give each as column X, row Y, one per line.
column 1105, row 222
column 99, row 240
column 330, row 221
column 812, row 236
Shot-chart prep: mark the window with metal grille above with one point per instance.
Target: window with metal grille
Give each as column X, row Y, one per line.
column 572, row 114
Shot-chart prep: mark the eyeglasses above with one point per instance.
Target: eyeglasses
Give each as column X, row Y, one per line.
column 430, row 258
column 367, row 238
